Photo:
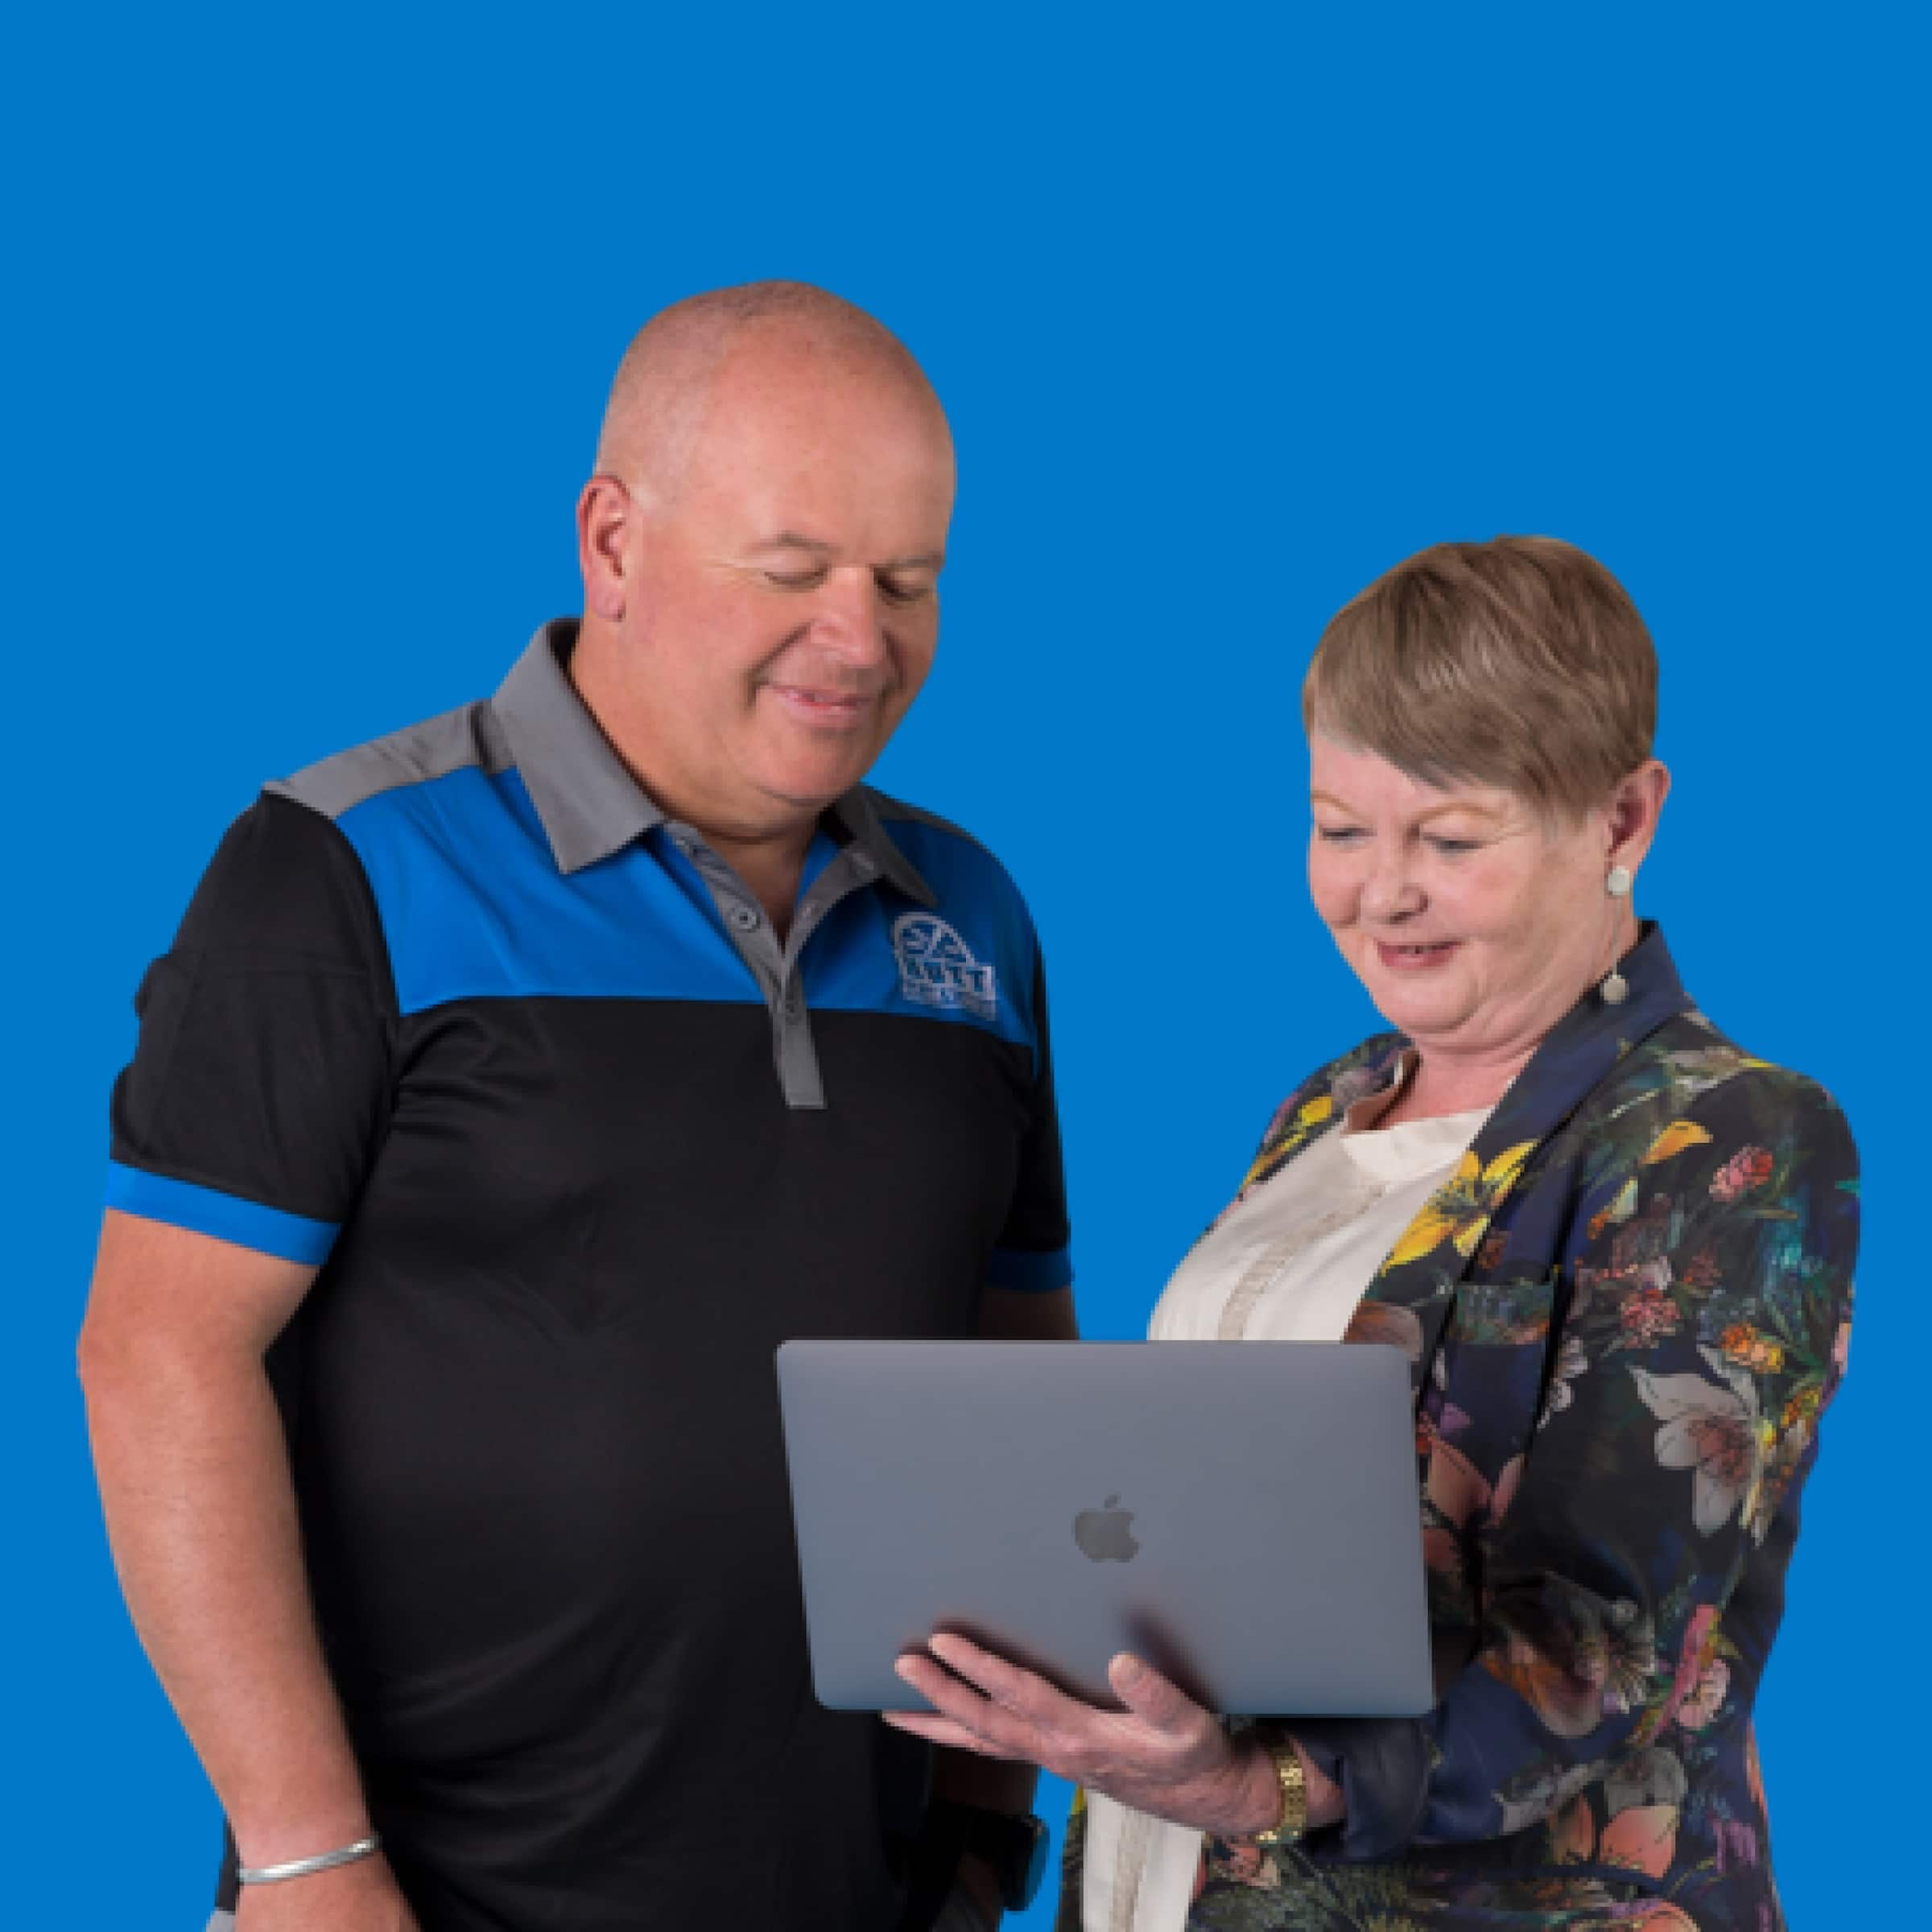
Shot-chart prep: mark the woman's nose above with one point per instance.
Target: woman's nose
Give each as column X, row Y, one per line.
column 1390, row 891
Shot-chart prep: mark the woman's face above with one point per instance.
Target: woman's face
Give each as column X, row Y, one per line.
column 1474, row 923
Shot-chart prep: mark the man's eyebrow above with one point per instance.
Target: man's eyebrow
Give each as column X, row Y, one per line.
column 817, row 546
column 791, row 539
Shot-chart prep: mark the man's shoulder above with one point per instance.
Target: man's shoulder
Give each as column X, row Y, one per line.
column 934, row 843
column 468, row 737
column 898, row 811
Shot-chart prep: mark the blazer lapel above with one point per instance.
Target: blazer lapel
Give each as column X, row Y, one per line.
column 1410, row 1299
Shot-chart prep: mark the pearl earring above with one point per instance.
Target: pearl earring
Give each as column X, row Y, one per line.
column 1615, row 988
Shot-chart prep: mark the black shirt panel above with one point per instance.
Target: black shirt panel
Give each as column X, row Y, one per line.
column 580, row 1341
column 266, row 1029
column 539, row 1455
column 1036, row 1218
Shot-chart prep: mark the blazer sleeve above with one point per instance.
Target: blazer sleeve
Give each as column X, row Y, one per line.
column 1709, row 1295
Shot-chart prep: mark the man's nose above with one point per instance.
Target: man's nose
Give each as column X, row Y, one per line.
column 848, row 618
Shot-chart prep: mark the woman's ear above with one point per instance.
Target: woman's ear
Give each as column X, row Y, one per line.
column 1634, row 809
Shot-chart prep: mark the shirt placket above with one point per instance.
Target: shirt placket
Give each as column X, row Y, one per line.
column 778, row 969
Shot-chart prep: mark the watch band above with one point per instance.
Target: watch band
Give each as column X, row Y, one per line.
column 1294, row 1820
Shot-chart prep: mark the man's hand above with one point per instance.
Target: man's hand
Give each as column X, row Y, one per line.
column 361, row 1897
column 1164, row 1754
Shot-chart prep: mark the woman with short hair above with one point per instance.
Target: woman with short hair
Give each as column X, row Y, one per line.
column 1617, row 1251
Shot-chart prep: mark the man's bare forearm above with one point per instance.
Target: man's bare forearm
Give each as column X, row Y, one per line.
column 200, row 1512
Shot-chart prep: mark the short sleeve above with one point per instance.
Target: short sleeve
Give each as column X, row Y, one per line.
column 259, row 1088
column 1034, row 1251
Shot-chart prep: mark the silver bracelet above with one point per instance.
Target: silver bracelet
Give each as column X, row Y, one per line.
column 300, row 1867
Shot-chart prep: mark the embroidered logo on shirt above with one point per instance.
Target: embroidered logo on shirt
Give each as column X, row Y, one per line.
column 937, row 968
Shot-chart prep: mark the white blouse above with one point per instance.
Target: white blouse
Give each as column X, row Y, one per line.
column 1288, row 1263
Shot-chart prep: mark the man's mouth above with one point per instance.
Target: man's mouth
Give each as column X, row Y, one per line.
column 824, row 707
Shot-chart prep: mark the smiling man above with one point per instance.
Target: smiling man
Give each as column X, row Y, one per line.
column 515, row 1085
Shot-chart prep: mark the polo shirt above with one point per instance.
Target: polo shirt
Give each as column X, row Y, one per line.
column 576, row 1141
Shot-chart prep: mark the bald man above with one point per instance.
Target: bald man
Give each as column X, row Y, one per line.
column 514, row 1086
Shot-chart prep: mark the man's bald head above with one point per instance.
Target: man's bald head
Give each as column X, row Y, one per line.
column 761, row 548
column 664, row 384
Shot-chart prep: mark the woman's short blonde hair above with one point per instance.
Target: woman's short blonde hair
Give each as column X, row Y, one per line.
column 1520, row 663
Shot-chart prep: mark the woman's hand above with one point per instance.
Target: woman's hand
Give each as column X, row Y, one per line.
column 1163, row 1754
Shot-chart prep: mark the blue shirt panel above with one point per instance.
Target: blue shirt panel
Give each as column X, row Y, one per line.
column 875, row 952
column 227, row 1217
column 473, row 907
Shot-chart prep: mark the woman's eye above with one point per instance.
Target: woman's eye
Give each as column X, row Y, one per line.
column 1337, row 835
column 1450, row 848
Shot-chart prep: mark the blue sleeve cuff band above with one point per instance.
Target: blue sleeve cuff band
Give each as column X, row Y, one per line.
column 1031, row 1273
column 293, row 1237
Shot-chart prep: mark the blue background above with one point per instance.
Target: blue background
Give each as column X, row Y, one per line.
column 311, row 313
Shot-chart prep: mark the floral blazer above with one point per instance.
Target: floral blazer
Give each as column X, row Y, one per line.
column 1625, row 1315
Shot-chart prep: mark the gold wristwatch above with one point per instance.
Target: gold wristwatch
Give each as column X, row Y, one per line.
column 1294, row 1820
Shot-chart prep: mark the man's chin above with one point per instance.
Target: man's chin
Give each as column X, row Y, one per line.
column 808, row 793
column 812, row 778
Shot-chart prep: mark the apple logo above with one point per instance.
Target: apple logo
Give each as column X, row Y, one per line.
column 1102, row 1534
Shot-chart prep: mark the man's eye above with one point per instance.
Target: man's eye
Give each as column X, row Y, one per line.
column 795, row 579
column 903, row 593
column 1338, row 835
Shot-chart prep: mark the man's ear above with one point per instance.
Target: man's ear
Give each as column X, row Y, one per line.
column 606, row 521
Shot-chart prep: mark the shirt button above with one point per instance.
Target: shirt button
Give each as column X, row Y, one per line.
column 745, row 918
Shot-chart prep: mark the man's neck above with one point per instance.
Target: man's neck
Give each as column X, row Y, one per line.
column 771, row 867
column 770, row 859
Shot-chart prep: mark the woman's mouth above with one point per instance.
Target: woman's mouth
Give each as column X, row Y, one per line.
column 1416, row 958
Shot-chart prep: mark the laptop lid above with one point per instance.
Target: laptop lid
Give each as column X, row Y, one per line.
column 1243, row 1516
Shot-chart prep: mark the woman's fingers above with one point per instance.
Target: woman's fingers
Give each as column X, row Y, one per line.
column 1005, row 1731
column 1010, row 1687
column 1154, row 1699
column 985, row 1704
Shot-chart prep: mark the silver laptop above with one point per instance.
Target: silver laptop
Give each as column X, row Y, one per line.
column 1243, row 1516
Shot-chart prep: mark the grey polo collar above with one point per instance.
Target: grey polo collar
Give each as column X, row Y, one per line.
column 590, row 806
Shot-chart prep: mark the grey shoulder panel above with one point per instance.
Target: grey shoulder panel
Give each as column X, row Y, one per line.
column 469, row 735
